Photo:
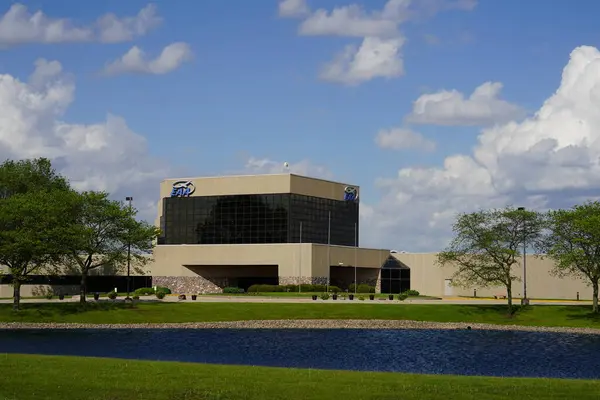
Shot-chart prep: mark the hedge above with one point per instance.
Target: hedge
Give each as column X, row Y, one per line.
column 292, row 288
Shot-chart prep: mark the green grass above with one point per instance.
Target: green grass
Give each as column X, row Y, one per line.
column 27, row 377
column 108, row 312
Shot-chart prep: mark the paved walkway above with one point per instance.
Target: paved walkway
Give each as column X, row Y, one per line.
column 265, row 299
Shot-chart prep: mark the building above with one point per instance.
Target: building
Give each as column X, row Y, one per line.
column 273, row 229
column 283, row 229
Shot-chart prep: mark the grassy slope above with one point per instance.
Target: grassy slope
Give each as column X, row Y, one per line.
column 106, row 312
column 26, row 377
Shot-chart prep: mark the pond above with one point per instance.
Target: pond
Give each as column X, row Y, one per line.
column 475, row 352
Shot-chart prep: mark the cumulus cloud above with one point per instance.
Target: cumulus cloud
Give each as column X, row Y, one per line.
column 303, row 167
column 374, row 58
column 107, row 155
column 379, row 55
column 19, row 26
column 482, row 107
column 548, row 160
column 293, row 8
column 136, row 61
column 403, row 139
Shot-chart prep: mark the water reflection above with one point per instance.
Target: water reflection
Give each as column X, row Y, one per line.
column 493, row 353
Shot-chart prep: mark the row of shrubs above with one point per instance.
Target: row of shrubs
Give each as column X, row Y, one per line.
column 361, row 288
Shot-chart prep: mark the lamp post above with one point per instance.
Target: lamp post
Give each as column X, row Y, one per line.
column 328, row 252
column 524, row 300
column 129, row 200
column 355, row 255
column 300, row 261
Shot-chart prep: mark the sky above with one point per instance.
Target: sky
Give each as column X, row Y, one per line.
column 432, row 107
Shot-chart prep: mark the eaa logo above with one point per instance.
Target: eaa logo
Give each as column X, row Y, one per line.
column 350, row 193
column 183, row 189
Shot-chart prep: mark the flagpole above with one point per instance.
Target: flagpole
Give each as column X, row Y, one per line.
column 355, row 255
column 328, row 251
column 300, row 261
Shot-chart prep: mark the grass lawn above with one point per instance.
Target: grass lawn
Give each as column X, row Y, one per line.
column 26, row 377
column 108, row 312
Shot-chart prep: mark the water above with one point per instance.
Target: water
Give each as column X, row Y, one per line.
column 476, row 352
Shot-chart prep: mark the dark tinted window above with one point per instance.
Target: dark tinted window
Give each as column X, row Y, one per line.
column 247, row 219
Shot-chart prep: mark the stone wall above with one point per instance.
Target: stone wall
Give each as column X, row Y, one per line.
column 191, row 284
column 304, row 280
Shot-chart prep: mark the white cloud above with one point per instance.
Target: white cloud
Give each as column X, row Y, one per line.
column 550, row 159
column 135, row 60
column 19, row 26
column 293, row 8
column 375, row 58
column 403, row 139
column 379, row 54
column 482, row 107
column 303, row 167
column 106, row 156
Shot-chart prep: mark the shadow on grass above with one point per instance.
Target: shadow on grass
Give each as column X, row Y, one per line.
column 581, row 313
column 48, row 309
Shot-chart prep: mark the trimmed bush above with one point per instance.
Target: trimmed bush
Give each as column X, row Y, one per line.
column 402, row 297
column 362, row 288
column 160, row 294
column 136, row 297
column 412, row 293
column 325, row 296
column 334, row 289
column 233, row 290
column 112, row 295
column 144, row 291
column 361, row 297
column 163, row 289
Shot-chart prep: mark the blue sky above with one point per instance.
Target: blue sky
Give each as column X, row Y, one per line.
column 252, row 87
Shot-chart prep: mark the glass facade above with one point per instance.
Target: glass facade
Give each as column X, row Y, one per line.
column 252, row 219
column 395, row 276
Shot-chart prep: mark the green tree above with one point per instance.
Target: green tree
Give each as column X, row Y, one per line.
column 107, row 234
column 35, row 207
column 487, row 245
column 572, row 241
column 32, row 234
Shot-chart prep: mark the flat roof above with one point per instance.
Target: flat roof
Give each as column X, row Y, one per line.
column 254, row 175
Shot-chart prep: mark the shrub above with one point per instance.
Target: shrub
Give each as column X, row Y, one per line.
column 412, row 292
column 112, row 295
column 402, row 296
column 136, row 297
column 361, row 297
column 362, row 288
column 233, row 290
column 144, row 291
column 334, row 289
column 325, row 296
column 163, row 289
column 160, row 294
column 49, row 295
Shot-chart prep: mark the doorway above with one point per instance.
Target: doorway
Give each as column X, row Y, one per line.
column 448, row 288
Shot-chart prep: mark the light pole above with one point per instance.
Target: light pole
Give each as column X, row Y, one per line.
column 355, row 255
column 300, row 261
column 524, row 300
column 328, row 252
column 129, row 200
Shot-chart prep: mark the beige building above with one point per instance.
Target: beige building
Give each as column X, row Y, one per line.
column 288, row 229
column 277, row 229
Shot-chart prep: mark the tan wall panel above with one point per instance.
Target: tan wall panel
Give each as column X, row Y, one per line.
column 367, row 258
column 428, row 278
column 319, row 187
column 172, row 260
column 232, row 185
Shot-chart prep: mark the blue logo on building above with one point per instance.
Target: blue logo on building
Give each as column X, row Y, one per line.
column 350, row 193
column 183, row 189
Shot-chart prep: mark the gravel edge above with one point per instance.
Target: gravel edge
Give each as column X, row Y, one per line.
column 304, row 324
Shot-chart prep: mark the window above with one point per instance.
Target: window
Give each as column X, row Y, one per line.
column 272, row 218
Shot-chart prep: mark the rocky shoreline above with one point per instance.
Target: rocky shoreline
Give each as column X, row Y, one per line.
column 304, row 324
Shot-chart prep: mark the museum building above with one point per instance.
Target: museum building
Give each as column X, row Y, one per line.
column 270, row 229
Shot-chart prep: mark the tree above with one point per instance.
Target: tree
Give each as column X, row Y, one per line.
column 572, row 241
column 34, row 208
column 32, row 234
column 103, row 234
column 487, row 245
